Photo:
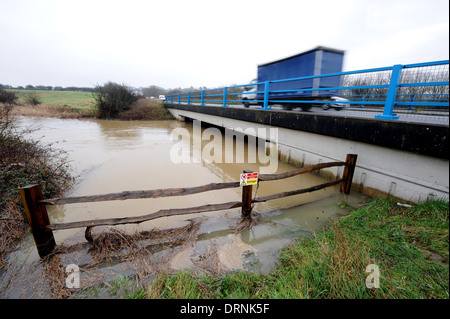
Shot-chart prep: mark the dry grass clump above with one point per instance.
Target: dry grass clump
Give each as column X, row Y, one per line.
column 12, row 227
column 49, row 110
column 245, row 223
column 138, row 251
column 142, row 110
column 147, row 110
column 118, row 245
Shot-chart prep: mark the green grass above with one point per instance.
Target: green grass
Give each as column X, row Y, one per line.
column 409, row 245
column 74, row 99
column 120, row 287
column 74, row 104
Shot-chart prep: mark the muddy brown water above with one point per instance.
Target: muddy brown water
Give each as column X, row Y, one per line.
column 114, row 156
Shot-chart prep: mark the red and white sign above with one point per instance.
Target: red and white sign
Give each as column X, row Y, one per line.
column 249, row 179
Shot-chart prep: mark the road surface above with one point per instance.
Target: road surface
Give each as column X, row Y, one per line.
column 434, row 117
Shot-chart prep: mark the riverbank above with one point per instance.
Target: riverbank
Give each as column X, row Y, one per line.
column 408, row 245
column 23, row 161
column 142, row 110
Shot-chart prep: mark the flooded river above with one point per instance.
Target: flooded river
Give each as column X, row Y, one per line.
column 115, row 156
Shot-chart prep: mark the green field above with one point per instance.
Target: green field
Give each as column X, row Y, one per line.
column 76, row 104
column 74, row 99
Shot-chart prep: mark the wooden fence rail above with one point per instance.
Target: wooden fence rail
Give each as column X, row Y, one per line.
column 42, row 230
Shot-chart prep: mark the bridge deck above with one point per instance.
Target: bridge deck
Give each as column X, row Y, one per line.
column 436, row 117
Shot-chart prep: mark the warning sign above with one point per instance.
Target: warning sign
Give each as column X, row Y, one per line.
column 249, row 179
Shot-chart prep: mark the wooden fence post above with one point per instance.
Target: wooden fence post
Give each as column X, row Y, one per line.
column 350, row 163
column 37, row 218
column 246, row 210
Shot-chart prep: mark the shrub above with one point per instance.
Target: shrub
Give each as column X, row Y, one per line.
column 8, row 97
column 32, row 98
column 113, row 98
column 147, row 110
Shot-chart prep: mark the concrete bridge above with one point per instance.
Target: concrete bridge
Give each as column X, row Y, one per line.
column 402, row 159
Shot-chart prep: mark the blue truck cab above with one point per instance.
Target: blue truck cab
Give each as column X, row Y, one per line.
column 298, row 92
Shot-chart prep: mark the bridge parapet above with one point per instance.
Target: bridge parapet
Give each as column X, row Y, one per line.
column 412, row 91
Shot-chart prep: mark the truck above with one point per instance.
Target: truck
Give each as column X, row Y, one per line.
column 299, row 92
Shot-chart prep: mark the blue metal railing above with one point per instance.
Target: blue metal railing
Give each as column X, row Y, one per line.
column 410, row 86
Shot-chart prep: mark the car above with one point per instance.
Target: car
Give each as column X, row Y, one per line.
column 162, row 97
column 337, row 106
column 249, row 95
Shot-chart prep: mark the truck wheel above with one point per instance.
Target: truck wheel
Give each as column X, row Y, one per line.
column 325, row 107
column 306, row 107
column 246, row 104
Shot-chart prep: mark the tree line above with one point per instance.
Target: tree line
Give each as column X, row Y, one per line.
column 150, row 91
column 356, row 83
column 46, row 88
column 155, row 90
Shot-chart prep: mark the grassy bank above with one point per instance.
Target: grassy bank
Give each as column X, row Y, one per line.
column 408, row 244
column 74, row 99
column 71, row 104
column 23, row 161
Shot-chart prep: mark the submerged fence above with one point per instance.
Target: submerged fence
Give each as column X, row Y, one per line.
column 420, row 88
column 42, row 229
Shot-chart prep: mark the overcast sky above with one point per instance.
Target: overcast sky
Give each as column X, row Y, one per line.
column 181, row 43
